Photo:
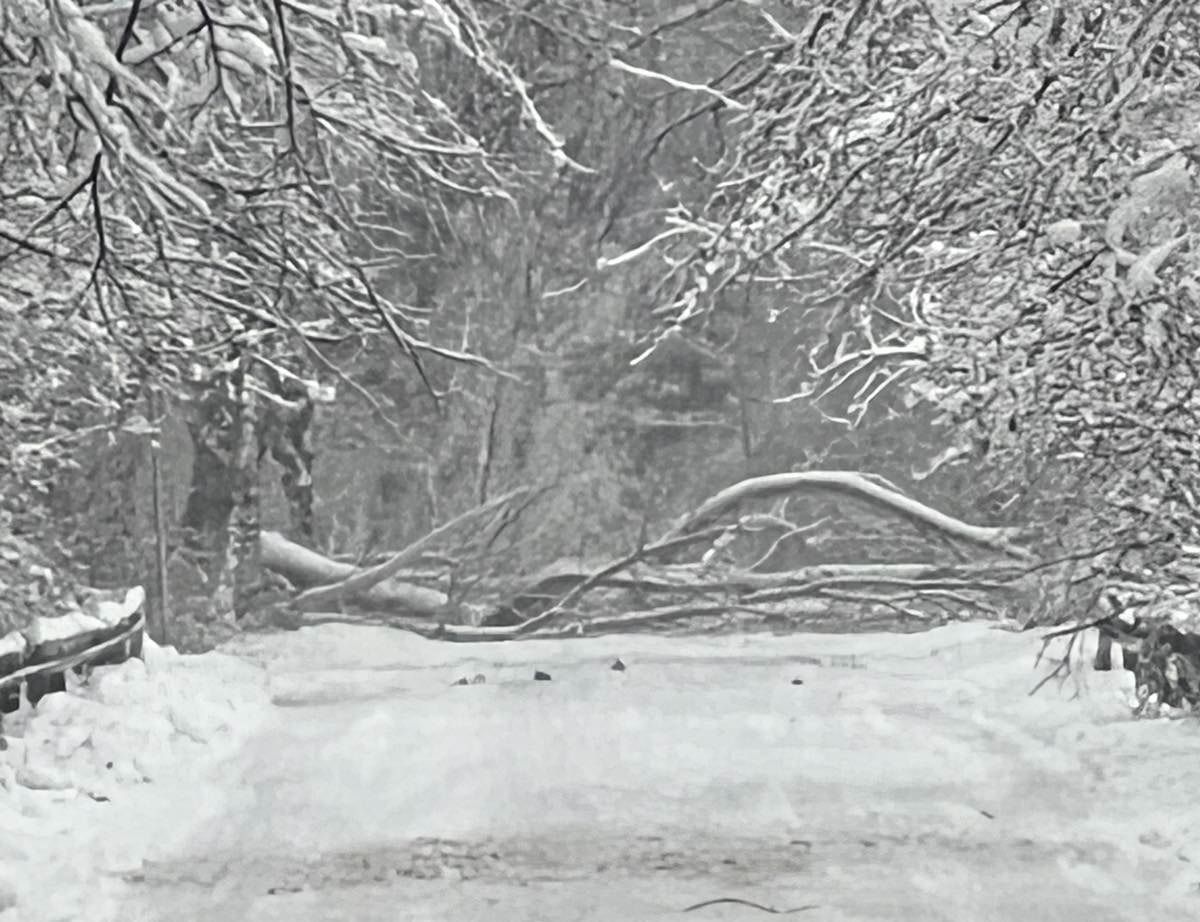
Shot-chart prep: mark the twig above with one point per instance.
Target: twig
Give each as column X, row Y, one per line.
column 740, row 902
column 618, row 64
column 1074, row 629
column 556, row 609
column 1061, row 671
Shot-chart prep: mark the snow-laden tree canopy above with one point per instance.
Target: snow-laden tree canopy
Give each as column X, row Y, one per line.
column 188, row 175
column 990, row 209
column 188, row 186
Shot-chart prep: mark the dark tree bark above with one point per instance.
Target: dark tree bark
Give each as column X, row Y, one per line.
column 242, row 574
column 210, row 499
column 221, row 517
column 286, row 432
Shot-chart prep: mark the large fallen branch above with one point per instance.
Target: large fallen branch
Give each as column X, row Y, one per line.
column 859, row 487
column 649, row 584
column 471, row 634
column 360, row 581
column 744, row 589
column 685, row 579
column 305, row 568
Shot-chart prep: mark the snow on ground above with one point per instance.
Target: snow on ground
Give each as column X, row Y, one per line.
column 923, row 784
column 71, row 764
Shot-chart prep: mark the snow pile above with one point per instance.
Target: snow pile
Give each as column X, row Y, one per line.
column 97, row 614
column 69, row 764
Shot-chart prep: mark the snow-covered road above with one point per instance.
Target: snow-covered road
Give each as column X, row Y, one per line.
column 923, row 785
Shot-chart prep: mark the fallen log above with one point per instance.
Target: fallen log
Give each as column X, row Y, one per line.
column 306, row 569
column 359, row 582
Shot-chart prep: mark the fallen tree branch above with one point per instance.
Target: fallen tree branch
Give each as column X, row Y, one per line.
column 532, row 624
column 305, row 568
column 714, row 588
column 756, row 588
column 821, row 586
column 362, row 580
column 466, row 634
column 689, row 578
column 125, row 639
column 860, row 487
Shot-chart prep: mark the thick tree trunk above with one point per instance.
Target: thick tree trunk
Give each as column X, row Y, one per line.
column 286, row 432
column 221, row 518
column 209, row 501
column 205, row 520
column 361, row 581
column 305, row 568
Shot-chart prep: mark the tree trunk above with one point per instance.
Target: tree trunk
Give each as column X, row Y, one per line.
column 161, row 606
column 205, row 520
column 286, row 432
column 221, row 518
column 242, row 573
column 305, row 569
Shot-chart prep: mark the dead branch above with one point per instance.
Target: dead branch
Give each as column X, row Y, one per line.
column 465, row 634
column 689, row 578
column 707, row 587
column 362, row 580
column 305, row 568
column 1062, row 668
column 859, row 487
column 532, row 624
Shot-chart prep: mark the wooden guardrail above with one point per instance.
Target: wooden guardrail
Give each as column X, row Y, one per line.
column 42, row 666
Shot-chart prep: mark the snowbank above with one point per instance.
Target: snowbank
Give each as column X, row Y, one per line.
column 917, row 767
column 99, row 614
column 70, row 763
